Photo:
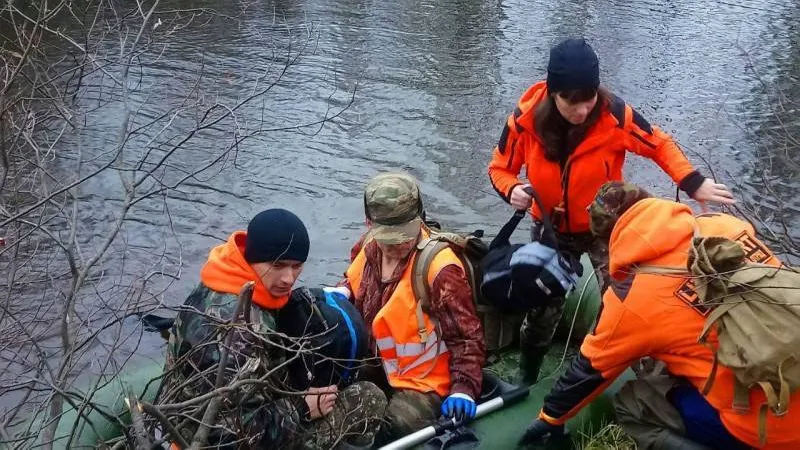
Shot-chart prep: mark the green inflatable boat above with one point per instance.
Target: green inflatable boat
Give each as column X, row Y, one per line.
column 499, row 429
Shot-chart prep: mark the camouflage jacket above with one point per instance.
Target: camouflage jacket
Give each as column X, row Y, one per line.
column 252, row 412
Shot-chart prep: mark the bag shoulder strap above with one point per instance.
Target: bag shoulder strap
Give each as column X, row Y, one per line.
column 652, row 269
column 548, row 234
column 713, row 317
column 427, row 249
column 503, row 238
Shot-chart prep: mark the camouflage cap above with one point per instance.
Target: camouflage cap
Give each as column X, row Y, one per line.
column 612, row 200
column 392, row 202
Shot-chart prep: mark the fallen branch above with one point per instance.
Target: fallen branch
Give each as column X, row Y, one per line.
column 242, row 305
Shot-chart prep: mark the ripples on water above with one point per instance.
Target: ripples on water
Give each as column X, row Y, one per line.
column 433, row 82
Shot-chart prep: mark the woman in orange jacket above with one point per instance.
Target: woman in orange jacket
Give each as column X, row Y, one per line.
column 572, row 136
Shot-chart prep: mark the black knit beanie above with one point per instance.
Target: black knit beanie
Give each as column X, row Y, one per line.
column 274, row 235
column 573, row 65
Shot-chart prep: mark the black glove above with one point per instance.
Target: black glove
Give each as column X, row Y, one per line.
column 539, row 431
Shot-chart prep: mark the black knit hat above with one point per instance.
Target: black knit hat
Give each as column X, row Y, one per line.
column 573, row 65
column 274, row 235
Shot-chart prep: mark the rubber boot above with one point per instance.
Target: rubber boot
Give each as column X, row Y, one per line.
column 360, row 443
column 530, row 363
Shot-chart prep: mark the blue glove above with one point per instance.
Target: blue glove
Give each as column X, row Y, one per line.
column 460, row 406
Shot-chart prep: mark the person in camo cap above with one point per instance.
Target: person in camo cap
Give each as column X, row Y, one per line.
column 612, row 200
column 657, row 317
column 271, row 253
column 431, row 358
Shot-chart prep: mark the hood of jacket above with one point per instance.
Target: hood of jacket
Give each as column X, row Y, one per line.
column 227, row 271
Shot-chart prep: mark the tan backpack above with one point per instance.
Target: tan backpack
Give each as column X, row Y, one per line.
column 756, row 311
column 499, row 329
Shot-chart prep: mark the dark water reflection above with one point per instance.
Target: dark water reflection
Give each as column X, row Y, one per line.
column 431, row 82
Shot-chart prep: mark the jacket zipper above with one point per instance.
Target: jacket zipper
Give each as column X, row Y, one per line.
column 565, row 173
column 565, row 190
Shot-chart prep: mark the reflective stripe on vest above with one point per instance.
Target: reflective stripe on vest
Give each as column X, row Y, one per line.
column 409, row 362
column 422, row 352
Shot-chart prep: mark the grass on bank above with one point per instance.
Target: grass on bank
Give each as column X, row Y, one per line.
column 610, row 437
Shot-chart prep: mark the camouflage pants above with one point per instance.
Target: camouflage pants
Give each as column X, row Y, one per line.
column 644, row 410
column 540, row 323
column 355, row 418
column 407, row 411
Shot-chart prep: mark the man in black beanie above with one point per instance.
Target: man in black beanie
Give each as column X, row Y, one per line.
column 271, row 253
column 572, row 136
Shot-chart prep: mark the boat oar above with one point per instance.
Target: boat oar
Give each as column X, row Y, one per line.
column 443, row 425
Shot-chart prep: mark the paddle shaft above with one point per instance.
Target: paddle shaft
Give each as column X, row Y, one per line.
column 443, row 425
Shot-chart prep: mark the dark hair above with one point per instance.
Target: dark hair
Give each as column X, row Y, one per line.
column 578, row 95
column 559, row 136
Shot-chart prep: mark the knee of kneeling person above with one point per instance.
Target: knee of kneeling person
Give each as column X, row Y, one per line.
column 409, row 411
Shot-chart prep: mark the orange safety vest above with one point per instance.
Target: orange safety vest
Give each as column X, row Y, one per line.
column 414, row 355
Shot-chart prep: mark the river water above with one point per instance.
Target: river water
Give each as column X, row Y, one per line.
column 424, row 86
column 431, row 84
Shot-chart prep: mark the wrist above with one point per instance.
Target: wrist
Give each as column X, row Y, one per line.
column 303, row 410
column 462, row 387
column 507, row 197
column 691, row 183
column 461, row 396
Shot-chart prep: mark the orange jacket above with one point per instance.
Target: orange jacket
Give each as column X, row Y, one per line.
column 413, row 353
column 657, row 316
column 597, row 159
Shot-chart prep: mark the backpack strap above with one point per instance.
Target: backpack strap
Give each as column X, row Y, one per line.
column 741, row 398
column 651, row 269
column 778, row 403
column 713, row 374
column 716, row 314
column 740, row 402
column 741, row 393
column 427, row 249
column 762, row 417
column 351, row 331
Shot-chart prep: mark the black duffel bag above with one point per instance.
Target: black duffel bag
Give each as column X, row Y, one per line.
column 518, row 277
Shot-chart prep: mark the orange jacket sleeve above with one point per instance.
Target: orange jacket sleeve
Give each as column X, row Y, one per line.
column 508, row 157
column 651, row 142
column 620, row 338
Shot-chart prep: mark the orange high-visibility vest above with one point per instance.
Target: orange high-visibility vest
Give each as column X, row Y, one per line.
column 413, row 353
